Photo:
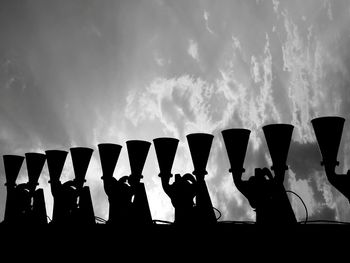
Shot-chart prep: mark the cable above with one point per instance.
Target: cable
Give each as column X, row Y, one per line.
column 218, row 212
column 48, row 218
column 329, row 221
column 306, row 211
column 236, row 222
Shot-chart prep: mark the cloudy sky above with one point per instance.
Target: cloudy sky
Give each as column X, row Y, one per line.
column 83, row 72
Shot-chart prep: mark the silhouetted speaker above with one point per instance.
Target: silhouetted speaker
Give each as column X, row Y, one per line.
column 165, row 151
column 87, row 215
column 39, row 208
column 137, row 151
column 55, row 162
column 12, row 165
column 199, row 144
column 278, row 137
column 328, row 131
column 141, row 211
column 35, row 163
column 236, row 143
column 109, row 155
column 80, row 159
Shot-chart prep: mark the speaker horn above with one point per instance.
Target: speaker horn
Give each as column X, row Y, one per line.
column 81, row 157
column 12, row 165
column 35, row 163
column 199, row 144
column 236, row 143
column 328, row 131
column 137, row 151
column 278, row 137
column 55, row 162
column 109, row 155
column 165, row 150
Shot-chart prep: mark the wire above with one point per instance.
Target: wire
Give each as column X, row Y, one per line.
column 48, row 218
column 218, row 212
column 236, row 222
column 329, row 221
column 306, row 211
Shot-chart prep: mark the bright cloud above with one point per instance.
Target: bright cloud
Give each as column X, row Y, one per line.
column 193, row 49
column 206, row 18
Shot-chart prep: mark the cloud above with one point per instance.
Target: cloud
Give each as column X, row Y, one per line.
column 303, row 189
column 206, row 18
column 193, row 49
column 328, row 4
column 160, row 204
column 276, row 4
column 304, row 159
column 160, row 61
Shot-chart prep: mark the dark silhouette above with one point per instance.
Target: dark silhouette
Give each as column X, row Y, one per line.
column 328, row 131
column 236, row 143
column 185, row 188
column 119, row 192
column 200, row 145
column 55, row 163
column 25, row 204
column 72, row 200
column 182, row 193
column 12, row 165
column 131, row 187
column 265, row 193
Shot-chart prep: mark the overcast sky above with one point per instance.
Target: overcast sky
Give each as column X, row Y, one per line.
column 83, row 72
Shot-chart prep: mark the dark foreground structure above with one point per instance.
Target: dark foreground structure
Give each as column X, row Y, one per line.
column 195, row 228
column 226, row 241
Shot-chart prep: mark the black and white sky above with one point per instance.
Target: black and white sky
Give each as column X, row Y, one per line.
column 83, row 72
